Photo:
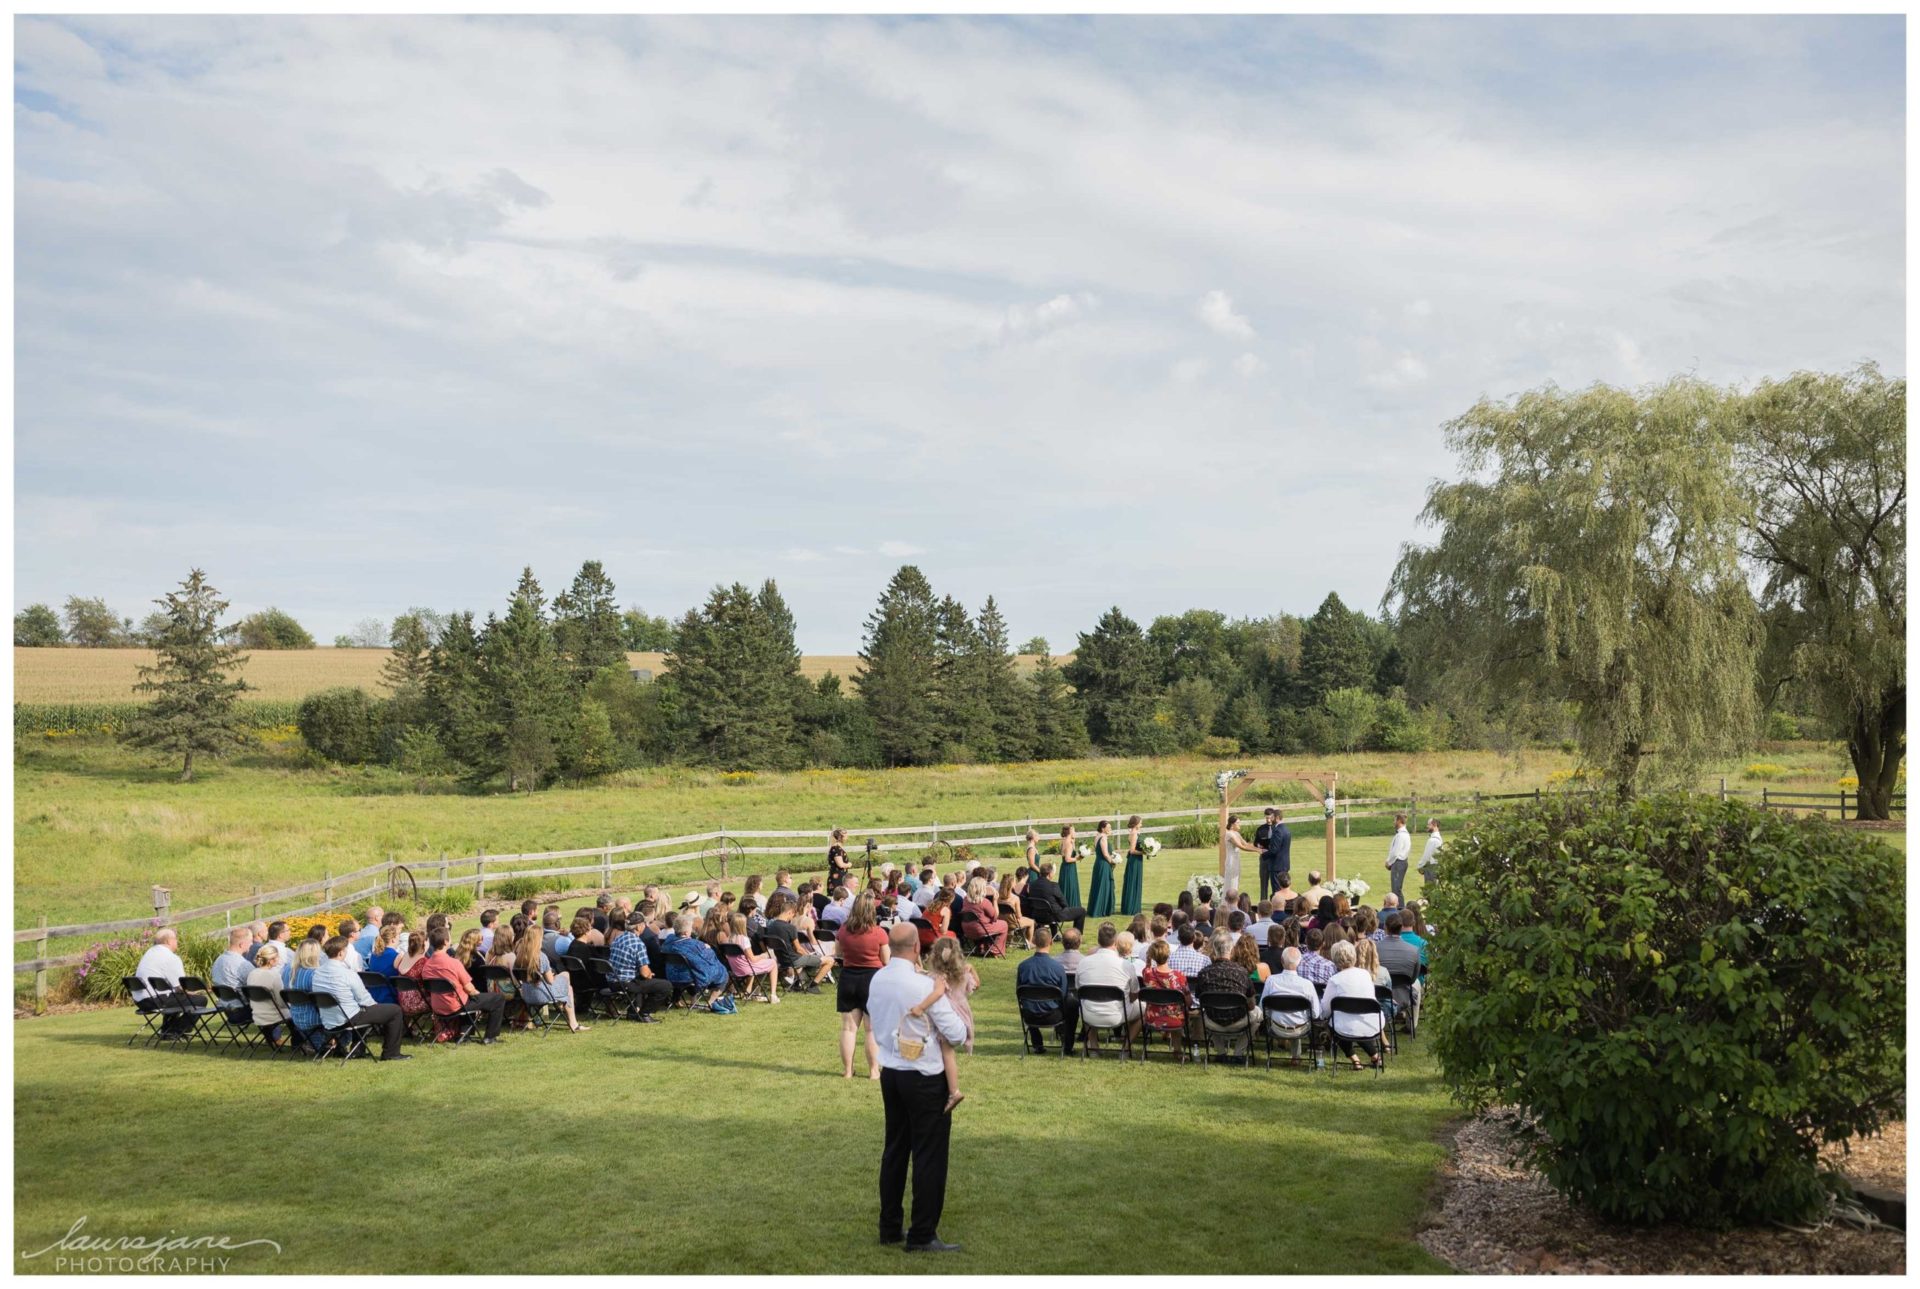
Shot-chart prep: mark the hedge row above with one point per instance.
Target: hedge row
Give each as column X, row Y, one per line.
column 71, row 719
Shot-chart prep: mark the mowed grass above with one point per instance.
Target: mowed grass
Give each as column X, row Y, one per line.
column 108, row 675
column 709, row 1144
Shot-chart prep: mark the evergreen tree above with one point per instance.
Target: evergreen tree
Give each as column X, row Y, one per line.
column 1116, row 676
column 587, row 626
column 1059, row 728
column 959, row 686
column 1008, row 702
column 457, row 702
column 834, row 727
column 735, row 673
column 37, row 627
column 404, row 674
column 193, row 705
column 1333, row 652
column 898, row 661
column 528, row 690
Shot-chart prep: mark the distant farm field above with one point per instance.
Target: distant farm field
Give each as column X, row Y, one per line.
column 108, row 675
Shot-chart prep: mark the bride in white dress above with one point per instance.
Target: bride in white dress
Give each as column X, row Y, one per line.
column 1230, row 872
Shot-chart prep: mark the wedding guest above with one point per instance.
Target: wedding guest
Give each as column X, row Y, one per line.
column 1041, row 970
column 1352, row 1031
column 269, row 1014
column 861, row 949
column 1105, row 967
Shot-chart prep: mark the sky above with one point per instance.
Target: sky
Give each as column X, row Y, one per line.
column 1164, row 313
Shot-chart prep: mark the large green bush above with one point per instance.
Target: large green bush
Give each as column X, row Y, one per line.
column 341, row 724
column 1686, row 996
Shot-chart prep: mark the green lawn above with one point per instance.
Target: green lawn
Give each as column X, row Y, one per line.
column 710, row 1144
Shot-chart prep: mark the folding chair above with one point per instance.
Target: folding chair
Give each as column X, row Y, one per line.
column 1225, row 1016
column 236, row 1019
column 1031, row 1000
column 537, row 1012
column 375, row 980
column 683, row 991
column 458, row 1023
column 414, row 1007
column 1151, row 998
column 1383, row 994
column 1289, row 1018
column 1406, row 1014
column 744, row 988
column 350, row 1039
column 1016, row 932
column 174, row 1003
column 312, row 1040
column 1123, row 1031
column 1360, row 1007
column 255, row 995
column 147, row 1009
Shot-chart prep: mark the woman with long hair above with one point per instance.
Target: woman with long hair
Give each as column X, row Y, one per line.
column 1010, row 907
column 1247, row 954
column 539, row 987
column 861, row 949
column 839, row 868
column 1033, row 850
column 1235, row 844
column 1133, row 886
column 1100, row 890
column 1069, row 869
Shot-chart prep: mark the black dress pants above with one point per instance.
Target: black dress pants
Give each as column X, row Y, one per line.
column 647, row 996
column 1065, row 1019
column 389, row 1020
column 917, row 1130
column 493, row 1007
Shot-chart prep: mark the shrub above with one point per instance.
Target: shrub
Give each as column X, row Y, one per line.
column 1218, row 748
column 1763, row 770
column 454, row 900
column 418, row 751
column 517, row 888
column 101, row 970
column 1685, row 996
column 341, row 724
column 1198, row 834
column 1782, row 728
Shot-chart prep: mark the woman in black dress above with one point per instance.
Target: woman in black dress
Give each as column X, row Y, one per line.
column 838, row 869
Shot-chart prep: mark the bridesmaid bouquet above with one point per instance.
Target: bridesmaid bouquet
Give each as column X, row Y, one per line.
column 1084, row 850
column 1149, row 846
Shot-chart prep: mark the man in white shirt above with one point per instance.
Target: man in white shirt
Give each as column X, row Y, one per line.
column 928, row 888
column 914, row 1093
column 1398, row 852
column 162, row 962
column 1105, row 967
column 1289, row 983
column 1262, row 922
column 1430, row 857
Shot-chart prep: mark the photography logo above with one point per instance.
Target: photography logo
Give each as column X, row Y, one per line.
column 169, row 1254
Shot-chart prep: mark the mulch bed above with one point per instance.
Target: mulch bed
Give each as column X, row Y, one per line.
column 1497, row 1215
column 1880, row 1160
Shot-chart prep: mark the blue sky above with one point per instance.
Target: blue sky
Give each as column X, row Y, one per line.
column 361, row 314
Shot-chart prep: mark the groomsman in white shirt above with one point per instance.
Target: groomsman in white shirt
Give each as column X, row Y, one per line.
column 1398, row 853
column 1430, row 857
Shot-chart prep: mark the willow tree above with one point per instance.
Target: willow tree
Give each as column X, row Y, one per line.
column 1590, row 556
column 1825, row 458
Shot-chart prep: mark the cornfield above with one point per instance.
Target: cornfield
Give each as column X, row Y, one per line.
column 77, row 720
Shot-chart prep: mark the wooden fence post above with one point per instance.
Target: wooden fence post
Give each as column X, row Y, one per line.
column 1843, row 805
column 1723, row 789
column 256, row 903
column 480, row 876
column 326, row 893
column 40, row 973
column 1763, row 797
column 443, row 872
column 606, row 867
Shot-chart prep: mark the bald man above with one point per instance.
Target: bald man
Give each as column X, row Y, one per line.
column 914, row 1092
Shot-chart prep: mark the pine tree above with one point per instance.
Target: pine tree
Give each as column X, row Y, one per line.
column 457, row 703
column 959, row 686
column 1059, row 728
column 897, row 670
column 193, row 706
column 587, row 626
column 404, row 674
column 528, row 690
column 736, row 677
column 1333, row 652
column 1009, row 703
column 1115, row 674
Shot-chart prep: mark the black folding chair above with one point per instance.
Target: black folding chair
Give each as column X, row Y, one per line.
column 538, row 1012
column 375, row 980
column 684, row 991
column 146, row 1008
column 1123, row 1031
column 184, row 1020
column 1150, row 998
column 458, row 1023
column 1348, row 1006
column 1383, row 994
column 416, row 1012
column 1288, row 1018
column 744, row 988
column 304, row 1039
column 1404, row 1014
column 1016, row 930
column 1039, row 1008
column 348, row 1040
column 1224, row 1015
column 256, row 995
column 236, row 1019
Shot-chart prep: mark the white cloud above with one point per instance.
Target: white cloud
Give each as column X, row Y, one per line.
column 1217, row 311
column 1189, row 370
column 1418, row 311
column 901, row 550
column 1406, row 369
column 1249, row 365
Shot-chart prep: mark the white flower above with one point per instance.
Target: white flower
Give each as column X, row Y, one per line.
column 1150, row 845
column 1084, row 850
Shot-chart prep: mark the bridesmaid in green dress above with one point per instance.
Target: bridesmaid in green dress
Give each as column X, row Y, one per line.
column 1133, row 887
column 1100, row 890
column 1069, row 869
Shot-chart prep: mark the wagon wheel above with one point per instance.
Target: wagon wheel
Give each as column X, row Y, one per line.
column 939, row 854
column 723, row 858
column 401, row 886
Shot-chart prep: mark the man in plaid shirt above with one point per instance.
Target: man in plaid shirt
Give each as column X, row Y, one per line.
column 1314, row 968
column 628, row 968
column 1187, row 959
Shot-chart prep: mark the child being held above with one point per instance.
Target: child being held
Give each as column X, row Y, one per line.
column 953, row 979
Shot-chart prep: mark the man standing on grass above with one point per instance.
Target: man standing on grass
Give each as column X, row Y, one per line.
column 1276, row 853
column 1430, row 857
column 1398, row 852
column 914, row 1092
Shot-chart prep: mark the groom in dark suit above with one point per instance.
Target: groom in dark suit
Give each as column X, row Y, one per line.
column 1275, row 840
